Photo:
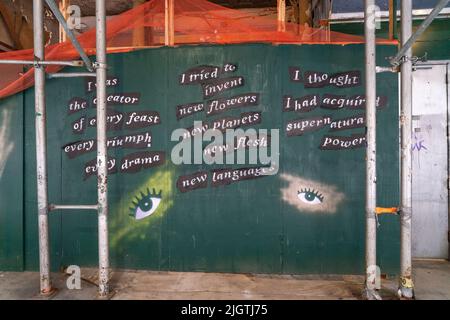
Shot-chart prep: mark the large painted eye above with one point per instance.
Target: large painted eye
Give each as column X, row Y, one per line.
column 146, row 205
column 310, row 196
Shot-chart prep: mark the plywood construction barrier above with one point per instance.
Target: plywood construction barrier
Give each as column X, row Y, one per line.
column 302, row 212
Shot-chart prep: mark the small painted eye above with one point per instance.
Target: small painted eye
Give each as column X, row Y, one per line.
column 146, row 205
column 310, row 196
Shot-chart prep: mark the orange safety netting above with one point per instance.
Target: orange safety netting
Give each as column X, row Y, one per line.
column 195, row 22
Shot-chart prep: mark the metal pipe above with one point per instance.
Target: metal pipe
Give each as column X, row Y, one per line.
column 386, row 69
column 53, row 207
column 406, row 285
column 407, row 44
column 371, row 174
column 102, row 156
column 71, row 75
column 55, row 9
column 41, row 149
column 44, row 63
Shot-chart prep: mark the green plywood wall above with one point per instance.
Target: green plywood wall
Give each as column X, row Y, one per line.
column 11, row 184
column 241, row 227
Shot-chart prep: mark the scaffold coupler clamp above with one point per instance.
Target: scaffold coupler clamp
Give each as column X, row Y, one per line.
column 98, row 65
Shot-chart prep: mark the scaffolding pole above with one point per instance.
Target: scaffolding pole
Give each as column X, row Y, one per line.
column 44, row 63
column 41, row 145
column 102, row 156
column 72, row 75
column 41, row 148
column 406, row 285
column 370, row 291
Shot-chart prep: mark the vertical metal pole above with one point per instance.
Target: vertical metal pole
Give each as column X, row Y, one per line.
column 102, row 157
column 371, row 174
column 406, row 284
column 41, row 148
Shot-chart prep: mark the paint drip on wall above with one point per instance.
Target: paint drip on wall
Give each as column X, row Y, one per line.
column 311, row 196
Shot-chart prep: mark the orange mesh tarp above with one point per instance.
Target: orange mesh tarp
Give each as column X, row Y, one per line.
column 196, row 22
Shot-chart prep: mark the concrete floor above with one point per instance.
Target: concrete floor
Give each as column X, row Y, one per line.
column 432, row 279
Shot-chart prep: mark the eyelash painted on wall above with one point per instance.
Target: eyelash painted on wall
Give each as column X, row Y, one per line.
column 310, row 196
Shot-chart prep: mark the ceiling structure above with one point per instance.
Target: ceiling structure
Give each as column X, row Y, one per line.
column 339, row 6
column 16, row 15
column 16, row 21
column 118, row 6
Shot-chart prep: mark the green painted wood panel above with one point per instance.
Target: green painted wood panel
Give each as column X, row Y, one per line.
column 241, row 227
column 11, row 184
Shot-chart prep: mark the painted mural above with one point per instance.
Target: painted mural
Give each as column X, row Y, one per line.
column 246, row 158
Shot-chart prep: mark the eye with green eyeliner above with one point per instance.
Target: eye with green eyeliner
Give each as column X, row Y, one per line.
column 146, row 205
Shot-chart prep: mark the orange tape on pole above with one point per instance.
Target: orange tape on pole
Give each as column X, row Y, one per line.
column 381, row 210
